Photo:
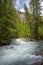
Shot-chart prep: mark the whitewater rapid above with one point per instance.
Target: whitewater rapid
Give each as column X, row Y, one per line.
column 21, row 52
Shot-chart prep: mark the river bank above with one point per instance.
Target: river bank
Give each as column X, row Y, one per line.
column 25, row 39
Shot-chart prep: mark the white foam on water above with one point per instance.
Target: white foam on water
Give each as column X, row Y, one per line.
column 20, row 41
column 21, row 53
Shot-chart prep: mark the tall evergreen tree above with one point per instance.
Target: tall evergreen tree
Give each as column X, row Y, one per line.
column 27, row 21
column 35, row 9
column 7, row 21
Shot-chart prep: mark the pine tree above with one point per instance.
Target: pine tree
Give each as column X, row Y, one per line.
column 27, row 22
column 35, row 9
column 7, row 21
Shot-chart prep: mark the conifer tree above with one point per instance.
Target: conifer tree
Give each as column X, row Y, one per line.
column 35, row 9
column 7, row 21
column 27, row 22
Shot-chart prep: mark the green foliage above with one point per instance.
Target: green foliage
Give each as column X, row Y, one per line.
column 40, row 28
column 7, row 22
column 35, row 9
column 11, row 25
column 34, row 21
column 28, row 21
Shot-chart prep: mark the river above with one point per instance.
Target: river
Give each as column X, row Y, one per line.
column 21, row 52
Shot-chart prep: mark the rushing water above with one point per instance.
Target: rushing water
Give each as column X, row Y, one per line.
column 21, row 52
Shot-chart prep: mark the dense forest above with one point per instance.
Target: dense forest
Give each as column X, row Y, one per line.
column 11, row 25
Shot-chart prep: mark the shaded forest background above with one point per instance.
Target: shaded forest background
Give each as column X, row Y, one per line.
column 12, row 26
